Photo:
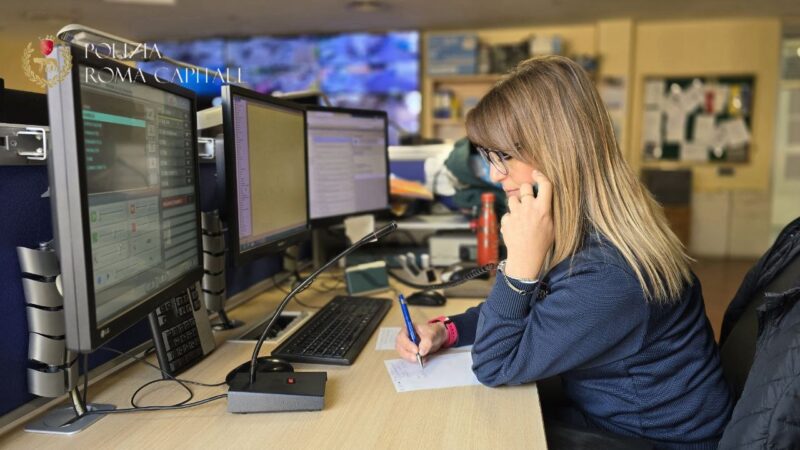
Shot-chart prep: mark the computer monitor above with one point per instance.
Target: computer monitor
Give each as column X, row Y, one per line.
column 266, row 207
column 124, row 195
column 348, row 163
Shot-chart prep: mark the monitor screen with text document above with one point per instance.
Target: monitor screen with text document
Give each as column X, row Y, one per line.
column 265, row 172
column 348, row 164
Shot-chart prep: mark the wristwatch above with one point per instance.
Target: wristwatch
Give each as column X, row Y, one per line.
column 452, row 332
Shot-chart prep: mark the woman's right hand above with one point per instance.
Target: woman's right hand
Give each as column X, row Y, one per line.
column 431, row 338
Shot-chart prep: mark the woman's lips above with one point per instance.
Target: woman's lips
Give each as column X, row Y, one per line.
column 512, row 191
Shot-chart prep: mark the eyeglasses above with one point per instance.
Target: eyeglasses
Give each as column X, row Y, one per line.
column 496, row 158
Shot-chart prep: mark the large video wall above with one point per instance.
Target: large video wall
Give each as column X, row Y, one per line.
column 367, row 70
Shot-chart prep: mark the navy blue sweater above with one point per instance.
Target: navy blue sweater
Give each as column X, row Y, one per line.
column 630, row 366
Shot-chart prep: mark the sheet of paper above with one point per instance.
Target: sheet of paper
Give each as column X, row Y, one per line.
column 693, row 152
column 654, row 93
column 386, row 338
column 736, row 131
column 693, row 97
column 652, row 127
column 676, row 124
column 720, row 98
column 441, row 371
column 704, row 129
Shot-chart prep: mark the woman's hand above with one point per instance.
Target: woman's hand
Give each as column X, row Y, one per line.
column 431, row 338
column 528, row 228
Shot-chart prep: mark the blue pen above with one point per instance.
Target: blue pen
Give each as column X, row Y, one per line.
column 410, row 327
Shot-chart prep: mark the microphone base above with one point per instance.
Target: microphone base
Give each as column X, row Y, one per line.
column 277, row 392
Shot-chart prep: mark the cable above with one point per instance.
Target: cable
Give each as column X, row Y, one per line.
column 136, row 392
column 158, row 408
column 85, row 377
column 296, row 298
column 181, row 405
column 474, row 273
column 170, row 377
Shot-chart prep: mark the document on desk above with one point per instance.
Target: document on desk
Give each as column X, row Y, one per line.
column 386, row 338
column 443, row 370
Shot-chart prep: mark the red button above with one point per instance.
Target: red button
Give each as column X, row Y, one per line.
column 290, row 380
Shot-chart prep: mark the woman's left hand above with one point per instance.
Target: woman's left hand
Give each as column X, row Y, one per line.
column 528, row 228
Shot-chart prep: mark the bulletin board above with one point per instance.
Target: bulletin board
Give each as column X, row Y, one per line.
column 698, row 119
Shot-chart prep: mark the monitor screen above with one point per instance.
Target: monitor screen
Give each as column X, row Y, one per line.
column 140, row 190
column 347, row 162
column 123, row 177
column 265, row 171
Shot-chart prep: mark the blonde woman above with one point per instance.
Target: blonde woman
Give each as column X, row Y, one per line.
column 595, row 288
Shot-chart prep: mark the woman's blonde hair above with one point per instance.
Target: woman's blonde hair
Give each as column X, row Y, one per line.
column 547, row 113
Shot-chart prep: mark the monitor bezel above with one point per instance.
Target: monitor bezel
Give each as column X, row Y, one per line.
column 337, row 219
column 231, row 209
column 83, row 332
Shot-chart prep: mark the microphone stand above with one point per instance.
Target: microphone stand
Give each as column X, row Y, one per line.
column 252, row 365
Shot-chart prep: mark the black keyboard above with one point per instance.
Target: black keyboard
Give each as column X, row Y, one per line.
column 175, row 332
column 337, row 333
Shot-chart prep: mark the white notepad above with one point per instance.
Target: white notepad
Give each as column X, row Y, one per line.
column 443, row 370
column 386, row 338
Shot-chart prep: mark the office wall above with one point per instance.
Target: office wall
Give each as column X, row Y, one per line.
column 730, row 212
column 12, row 45
column 615, row 45
column 709, row 48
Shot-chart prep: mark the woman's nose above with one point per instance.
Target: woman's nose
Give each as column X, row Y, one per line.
column 495, row 174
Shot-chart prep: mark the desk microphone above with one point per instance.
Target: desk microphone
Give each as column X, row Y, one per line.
column 251, row 395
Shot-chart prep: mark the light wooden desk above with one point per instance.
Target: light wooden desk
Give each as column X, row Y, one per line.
column 362, row 408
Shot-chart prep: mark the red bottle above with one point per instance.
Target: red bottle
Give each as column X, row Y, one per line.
column 487, row 231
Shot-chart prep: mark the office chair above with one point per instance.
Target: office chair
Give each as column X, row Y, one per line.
column 738, row 348
column 759, row 352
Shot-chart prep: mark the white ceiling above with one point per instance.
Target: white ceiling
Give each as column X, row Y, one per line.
column 209, row 18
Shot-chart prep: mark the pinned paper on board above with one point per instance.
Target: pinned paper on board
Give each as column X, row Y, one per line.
column 736, row 131
column 676, row 122
column 697, row 119
column 654, row 93
column 704, row 129
column 652, row 127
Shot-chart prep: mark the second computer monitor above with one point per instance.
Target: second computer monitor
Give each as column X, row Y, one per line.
column 265, row 172
column 348, row 163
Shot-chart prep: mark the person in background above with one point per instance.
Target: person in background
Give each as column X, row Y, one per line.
column 595, row 287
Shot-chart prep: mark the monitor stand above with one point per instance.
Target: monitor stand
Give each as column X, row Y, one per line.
column 70, row 419
column 225, row 323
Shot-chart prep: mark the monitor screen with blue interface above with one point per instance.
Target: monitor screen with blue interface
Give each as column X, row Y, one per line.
column 270, row 172
column 347, row 162
column 140, row 187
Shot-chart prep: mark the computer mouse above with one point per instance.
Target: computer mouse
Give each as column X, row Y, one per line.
column 426, row 298
column 263, row 364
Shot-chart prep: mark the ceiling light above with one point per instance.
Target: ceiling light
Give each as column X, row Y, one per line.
column 367, row 6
